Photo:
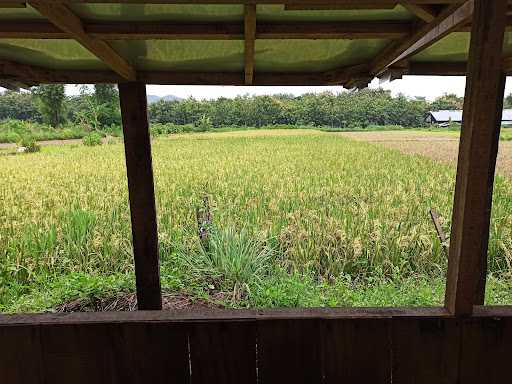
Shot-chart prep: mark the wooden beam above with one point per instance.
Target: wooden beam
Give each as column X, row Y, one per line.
column 139, row 169
column 67, row 21
column 449, row 20
column 29, row 29
column 334, row 7
column 13, row 4
column 355, row 3
column 250, row 42
column 386, row 29
column 423, row 12
column 467, row 265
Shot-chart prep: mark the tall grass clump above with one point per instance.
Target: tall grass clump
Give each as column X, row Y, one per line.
column 231, row 260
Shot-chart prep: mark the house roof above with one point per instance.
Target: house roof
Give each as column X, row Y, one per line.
column 277, row 42
column 456, row 115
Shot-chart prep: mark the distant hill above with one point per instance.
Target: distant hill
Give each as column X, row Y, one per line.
column 153, row 98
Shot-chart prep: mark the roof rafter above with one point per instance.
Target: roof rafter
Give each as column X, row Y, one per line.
column 304, row 3
column 63, row 18
column 387, row 29
column 212, row 31
column 449, row 20
column 423, row 12
column 250, row 42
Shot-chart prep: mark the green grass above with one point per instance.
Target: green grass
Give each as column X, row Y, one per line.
column 304, row 218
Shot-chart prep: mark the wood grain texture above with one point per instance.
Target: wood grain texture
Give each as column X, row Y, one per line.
column 63, row 18
column 485, row 351
column 356, row 351
column 425, row 351
column 223, row 352
column 150, row 353
column 250, row 42
column 289, row 352
column 141, row 189
column 467, row 265
column 21, row 355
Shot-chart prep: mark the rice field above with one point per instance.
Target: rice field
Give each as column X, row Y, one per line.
column 300, row 218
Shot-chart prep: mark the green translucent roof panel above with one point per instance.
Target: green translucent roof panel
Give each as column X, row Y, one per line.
column 455, row 48
column 313, row 55
column 56, row 54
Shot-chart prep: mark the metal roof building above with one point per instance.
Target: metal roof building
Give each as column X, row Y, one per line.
column 446, row 116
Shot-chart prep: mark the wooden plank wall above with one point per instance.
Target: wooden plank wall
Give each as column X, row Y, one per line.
column 310, row 350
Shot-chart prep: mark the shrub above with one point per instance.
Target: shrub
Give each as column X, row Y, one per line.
column 28, row 144
column 204, row 124
column 92, row 139
column 233, row 260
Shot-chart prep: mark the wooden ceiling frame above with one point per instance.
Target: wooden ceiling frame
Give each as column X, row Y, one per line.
column 249, row 42
column 424, row 12
column 449, row 20
column 63, row 18
column 304, row 4
column 30, row 29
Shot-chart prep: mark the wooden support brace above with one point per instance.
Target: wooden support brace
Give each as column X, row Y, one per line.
column 483, row 106
column 63, row 18
column 142, row 196
column 250, row 41
column 423, row 12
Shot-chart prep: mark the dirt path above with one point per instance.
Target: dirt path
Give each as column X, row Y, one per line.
column 44, row 142
column 440, row 148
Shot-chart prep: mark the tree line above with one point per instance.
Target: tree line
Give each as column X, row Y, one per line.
column 98, row 107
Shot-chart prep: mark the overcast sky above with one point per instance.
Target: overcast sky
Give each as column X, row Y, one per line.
column 424, row 86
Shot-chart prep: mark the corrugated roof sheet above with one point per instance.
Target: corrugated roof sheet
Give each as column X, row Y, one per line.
column 456, row 115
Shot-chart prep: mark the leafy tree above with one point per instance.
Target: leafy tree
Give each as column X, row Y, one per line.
column 107, row 101
column 18, row 106
column 51, row 103
column 508, row 101
column 447, row 101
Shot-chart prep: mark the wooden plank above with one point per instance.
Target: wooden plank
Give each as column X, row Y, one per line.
column 76, row 354
column 150, row 353
column 142, row 195
column 467, row 265
column 425, row 351
column 375, row 3
column 250, row 42
column 223, row 352
column 485, row 351
column 386, row 29
column 423, row 12
column 67, row 21
column 449, row 20
column 347, row 355
column 20, row 354
column 289, row 352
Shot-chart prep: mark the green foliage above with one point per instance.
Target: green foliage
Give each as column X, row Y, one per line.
column 107, row 96
column 12, row 130
column 507, row 103
column 447, row 102
column 29, row 144
column 92, row 139
column 233, row 261
column 19, row 106
column 344, row 110
column 51, row 103
column 314, row 232
column 204, row 124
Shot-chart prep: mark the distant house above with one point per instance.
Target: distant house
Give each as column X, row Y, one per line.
column 445, row 117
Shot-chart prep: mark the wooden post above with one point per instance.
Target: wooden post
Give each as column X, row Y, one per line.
column 467, row 265
column 139, row 169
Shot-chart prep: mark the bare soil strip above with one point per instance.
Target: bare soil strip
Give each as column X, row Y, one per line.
column 439, row 148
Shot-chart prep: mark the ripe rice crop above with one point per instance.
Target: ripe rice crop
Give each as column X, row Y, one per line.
column 331, row 209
